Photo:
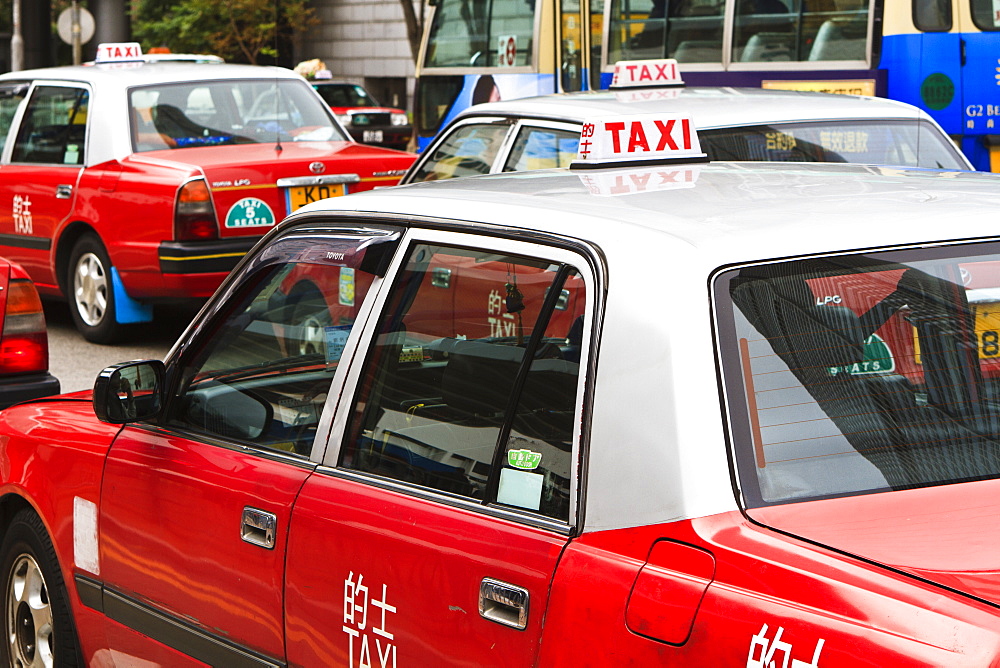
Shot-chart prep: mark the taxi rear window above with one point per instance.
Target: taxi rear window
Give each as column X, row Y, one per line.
column 912, row 144
column 233, row 111
column 864, row 373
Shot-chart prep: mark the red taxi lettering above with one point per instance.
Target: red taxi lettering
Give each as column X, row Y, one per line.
column 666, row 70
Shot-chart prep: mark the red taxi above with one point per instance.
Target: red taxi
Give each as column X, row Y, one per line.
column 364, row 117
column 630, row 412
column 129, row 182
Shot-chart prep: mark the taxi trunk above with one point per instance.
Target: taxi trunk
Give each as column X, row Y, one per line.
column 254, row 186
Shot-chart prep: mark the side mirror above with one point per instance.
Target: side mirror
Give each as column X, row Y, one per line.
column 129, row 392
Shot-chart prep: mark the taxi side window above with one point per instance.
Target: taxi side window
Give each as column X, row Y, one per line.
column 471, row 386
column 53, row 130
column 542, row 148
column 469, row 151
column 11, row 97
column 261, row 373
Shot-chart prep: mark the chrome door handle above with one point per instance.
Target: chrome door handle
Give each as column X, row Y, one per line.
column 258, row 527
column 64, row 191
column 503, row 603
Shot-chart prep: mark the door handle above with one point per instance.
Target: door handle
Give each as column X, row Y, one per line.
column 258, row 527
column 503, row 603
column 64, row 191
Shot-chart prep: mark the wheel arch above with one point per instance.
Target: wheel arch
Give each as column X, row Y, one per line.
column 70, row 235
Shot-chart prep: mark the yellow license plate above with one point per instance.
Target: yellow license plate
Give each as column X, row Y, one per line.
column 987, row 332
column 299, row 196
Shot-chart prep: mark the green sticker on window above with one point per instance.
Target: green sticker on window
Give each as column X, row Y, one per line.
column 524, row 459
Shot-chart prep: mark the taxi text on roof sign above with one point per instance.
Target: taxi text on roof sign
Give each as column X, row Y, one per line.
column 635, row 73
column 118, row 52
column 618, row 141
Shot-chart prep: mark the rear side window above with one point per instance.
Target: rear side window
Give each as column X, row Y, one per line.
column 471, row 387
column 900, row 143
column 54, row 127
column 861, row 374
column 542, row 148
column 468, row 151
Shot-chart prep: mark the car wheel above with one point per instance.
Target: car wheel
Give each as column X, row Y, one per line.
column 36, row 611
column 91, row 297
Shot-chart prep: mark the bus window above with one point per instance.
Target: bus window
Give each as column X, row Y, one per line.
column 469, row 34
column 688, row 30
column 984, row 15
column 798, row 30
column 935, row 15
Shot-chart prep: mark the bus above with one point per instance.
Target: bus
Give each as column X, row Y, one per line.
column 941, row 55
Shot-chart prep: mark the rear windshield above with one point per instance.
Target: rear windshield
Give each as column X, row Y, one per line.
column 864, row 373
column 903, row 143
column 234, row 111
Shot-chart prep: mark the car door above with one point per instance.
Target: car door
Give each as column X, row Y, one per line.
column 195, row 508
column 450, row 485
column 38, row 186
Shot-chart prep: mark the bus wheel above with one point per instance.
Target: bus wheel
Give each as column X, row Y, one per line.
column 36, row 611
column 92, row 300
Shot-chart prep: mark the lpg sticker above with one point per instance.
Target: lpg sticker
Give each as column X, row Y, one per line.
column 363, row 632
column 524, row 459
column 763, row 651
column 250, row 212
column 85, row 535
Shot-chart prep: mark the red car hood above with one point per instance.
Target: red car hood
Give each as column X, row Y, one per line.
column 948, row 534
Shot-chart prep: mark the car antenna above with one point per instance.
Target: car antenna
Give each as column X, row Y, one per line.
column 277, row 92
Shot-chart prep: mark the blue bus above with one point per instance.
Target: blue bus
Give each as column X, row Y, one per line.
column 941, row 55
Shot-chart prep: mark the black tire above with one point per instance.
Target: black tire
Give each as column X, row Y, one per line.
column 36, row 614
column 89, row 291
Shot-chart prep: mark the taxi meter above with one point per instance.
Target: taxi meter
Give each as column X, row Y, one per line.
column 634, row 140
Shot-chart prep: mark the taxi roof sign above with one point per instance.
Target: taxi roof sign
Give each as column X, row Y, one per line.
column 118, row 52
column 661, row 72
column 642, row 139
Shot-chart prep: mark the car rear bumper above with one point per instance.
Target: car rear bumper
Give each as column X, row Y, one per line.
column 16, row 389
column 203, row 257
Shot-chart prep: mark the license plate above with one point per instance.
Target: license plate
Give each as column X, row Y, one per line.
column 299, row 196
column 988, row 330
column 372, row 136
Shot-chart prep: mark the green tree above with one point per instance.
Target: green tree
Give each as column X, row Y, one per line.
column 238, row 30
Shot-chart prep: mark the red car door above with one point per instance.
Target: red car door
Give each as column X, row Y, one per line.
column 195, row 509
column 433, row 535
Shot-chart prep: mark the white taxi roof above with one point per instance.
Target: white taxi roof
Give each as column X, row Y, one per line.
column 709, row 107
column 111, row 82
column 660, row 249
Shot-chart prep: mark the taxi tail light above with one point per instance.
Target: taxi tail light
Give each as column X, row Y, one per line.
column 194, row 215
column 25, row 344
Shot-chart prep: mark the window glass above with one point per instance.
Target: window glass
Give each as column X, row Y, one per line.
column 688, row 30
column 11, row 96
column 261, row 372
column 984, row 15
column 571, row 45
column 345, row 95
column 794, row 30
column 468, row 151
column 909, row 144
column 471, row 387
column 54, row 128
column 235, row 111
column 596, row 41
column 479, row 34
column 542, row 148
column 933, row 15
column 861, row 374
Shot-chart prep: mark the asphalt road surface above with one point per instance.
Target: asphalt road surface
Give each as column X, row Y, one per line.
column 76, row 363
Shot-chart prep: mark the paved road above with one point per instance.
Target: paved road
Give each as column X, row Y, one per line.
column 76, row 363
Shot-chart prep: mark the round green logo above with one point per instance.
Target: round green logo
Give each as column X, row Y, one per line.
column 250, row 212
column 937, row 91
